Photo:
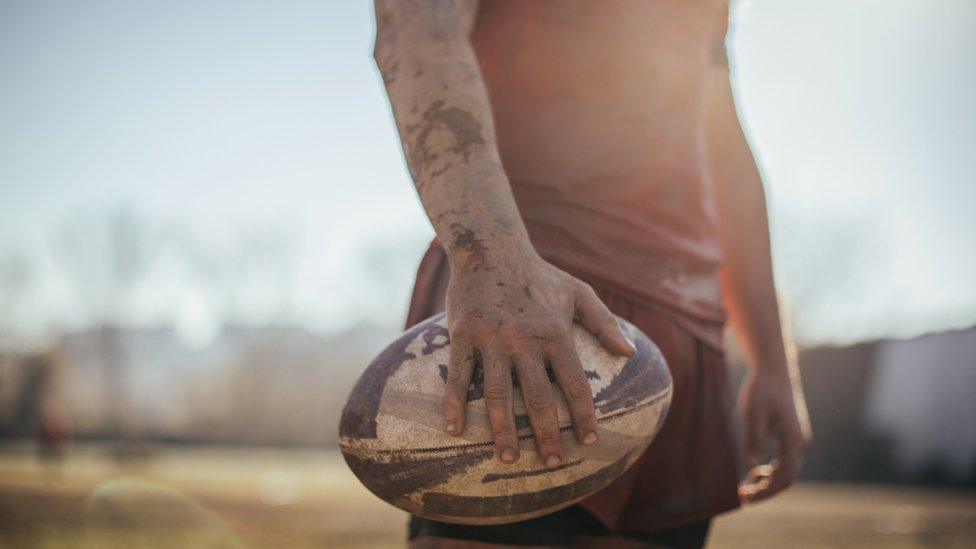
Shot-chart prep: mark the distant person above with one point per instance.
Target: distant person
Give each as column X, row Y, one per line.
column 39, row 409
column 53, row 436
column 576, row 158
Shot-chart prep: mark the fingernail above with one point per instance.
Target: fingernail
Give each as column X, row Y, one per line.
column 631, row 343
column 508, row 455
column 450, row 427
column 589, row 438
column 552, row 462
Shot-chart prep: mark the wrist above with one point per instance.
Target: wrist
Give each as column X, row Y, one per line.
column 767, row 352
column 469, row 253
column 771, row 363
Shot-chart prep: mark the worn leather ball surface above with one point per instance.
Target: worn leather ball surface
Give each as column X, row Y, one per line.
column 392, row 431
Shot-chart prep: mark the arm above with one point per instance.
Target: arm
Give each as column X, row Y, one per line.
column 506, row 307
column 771, row 400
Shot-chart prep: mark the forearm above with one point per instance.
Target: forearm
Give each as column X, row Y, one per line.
column 747, row 274
column 445, row 123
column 771, row 398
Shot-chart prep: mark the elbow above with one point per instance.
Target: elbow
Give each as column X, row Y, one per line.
column 387, row 16
column 385, row 38
column 382, row 55
column 411, row 28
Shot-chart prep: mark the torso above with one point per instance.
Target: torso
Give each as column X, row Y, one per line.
column 599, row 116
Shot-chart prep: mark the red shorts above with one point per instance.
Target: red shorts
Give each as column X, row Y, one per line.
column 690, row 471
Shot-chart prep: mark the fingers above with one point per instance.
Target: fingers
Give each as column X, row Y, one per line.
column 753, row 454
column 498, row 400
column 541, row 406
column 575, row 386
column 595, row 317
column 753, row 442
column 765, row 481
column 757, row 481
column 456, row 387
column 786, row 465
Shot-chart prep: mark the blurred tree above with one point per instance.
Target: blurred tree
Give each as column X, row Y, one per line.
column 105, row 258
column 251, row 280
column 834, row 277
column 388, row 266
column 16, row 278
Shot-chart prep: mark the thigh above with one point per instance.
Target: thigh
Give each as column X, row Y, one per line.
column 690, row 536
column 553, row 530
column 436, row 542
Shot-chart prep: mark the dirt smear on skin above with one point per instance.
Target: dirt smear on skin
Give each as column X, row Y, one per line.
column 465, row 130
column 465, row 239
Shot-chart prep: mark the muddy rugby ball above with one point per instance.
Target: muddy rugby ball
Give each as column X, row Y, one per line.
column 392, row 436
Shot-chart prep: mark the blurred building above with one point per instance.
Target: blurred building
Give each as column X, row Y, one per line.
column 924, row 400
column 894, row 410
column 883, row 411
column 269, row 385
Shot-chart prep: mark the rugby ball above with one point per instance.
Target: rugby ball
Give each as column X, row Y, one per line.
column 392, row 431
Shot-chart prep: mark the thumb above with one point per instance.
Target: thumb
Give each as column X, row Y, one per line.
column 598, row 320
column 754, row 435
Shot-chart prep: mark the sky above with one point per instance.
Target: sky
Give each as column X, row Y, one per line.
column 246, row 134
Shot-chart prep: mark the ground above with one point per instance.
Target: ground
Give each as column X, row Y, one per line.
column 296, row 498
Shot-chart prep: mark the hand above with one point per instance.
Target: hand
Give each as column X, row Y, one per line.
column 770, row 413
column 520, row 314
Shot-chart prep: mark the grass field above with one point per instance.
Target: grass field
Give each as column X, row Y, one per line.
column 297, row 498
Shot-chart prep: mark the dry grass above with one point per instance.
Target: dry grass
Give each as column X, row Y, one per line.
column 296, row 498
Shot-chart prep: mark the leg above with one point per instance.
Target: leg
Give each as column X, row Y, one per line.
column 690, row 536
column 434, row 542
column 553, row 530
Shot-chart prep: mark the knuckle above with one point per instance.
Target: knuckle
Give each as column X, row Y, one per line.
column 547, row 437
column 467, row 326
column 451, row 407
column 496, row 393
column 586, row 289
column 578, row 388
column 606, row 325
column 522, row 329
column 453, row 399
column 456, row 379
column 514, row 335
column 501, row 432
column 549, row 327
column 586, row 423
column 459, row 327
column 561, row 344
column 460, row 331
column 538, row 397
